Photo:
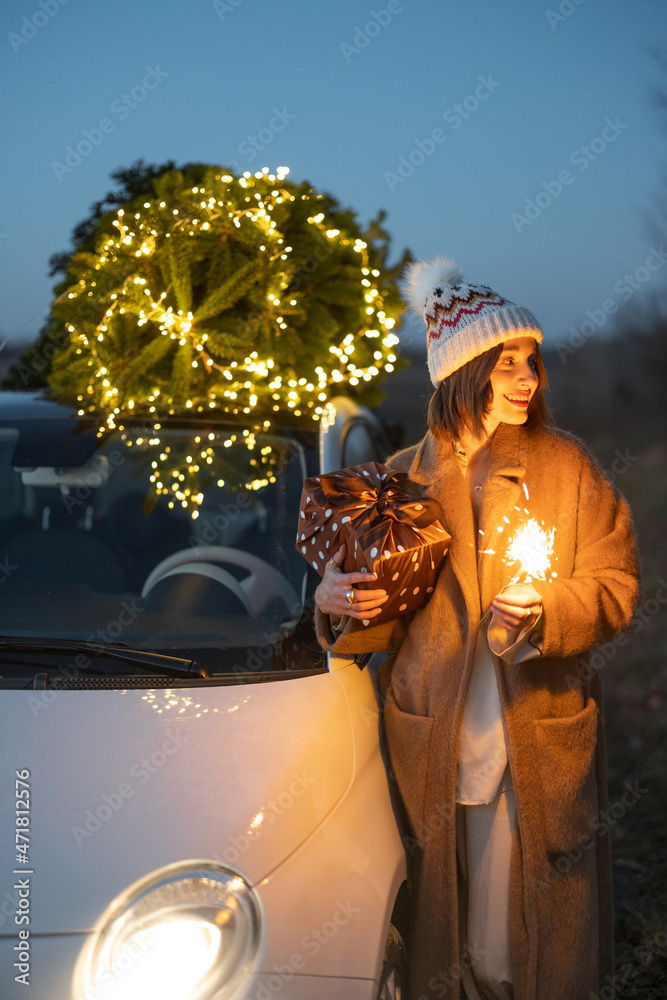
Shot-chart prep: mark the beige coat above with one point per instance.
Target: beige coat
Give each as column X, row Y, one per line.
column 561, row 918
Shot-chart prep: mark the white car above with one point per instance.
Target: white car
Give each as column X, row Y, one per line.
column 194, row 801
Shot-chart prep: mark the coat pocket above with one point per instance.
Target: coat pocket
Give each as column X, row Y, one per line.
column 409, row 743
column 566, row 766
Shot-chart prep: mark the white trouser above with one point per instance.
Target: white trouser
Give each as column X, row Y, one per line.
column 483, row 849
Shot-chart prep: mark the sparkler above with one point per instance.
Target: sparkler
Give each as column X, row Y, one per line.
column 532, row 547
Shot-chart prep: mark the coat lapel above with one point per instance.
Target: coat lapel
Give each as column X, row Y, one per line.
column 436, row 466
column 502, row 511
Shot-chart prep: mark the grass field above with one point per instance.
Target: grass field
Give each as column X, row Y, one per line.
column 635, row 684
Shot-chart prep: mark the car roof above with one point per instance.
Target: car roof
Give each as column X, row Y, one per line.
column 32, row 406
column 39, row 406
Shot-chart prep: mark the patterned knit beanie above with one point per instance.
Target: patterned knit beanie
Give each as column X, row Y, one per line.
column 462, row 321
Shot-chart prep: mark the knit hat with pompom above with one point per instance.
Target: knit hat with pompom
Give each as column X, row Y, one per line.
column 462, row 321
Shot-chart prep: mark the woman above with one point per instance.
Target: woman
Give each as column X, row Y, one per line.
column 492, row 718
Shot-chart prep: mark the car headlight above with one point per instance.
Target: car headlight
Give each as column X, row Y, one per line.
column 189, row 931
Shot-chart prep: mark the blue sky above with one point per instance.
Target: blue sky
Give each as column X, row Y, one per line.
column 482, row 105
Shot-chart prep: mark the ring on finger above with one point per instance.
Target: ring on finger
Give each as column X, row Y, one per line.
column 349, row 597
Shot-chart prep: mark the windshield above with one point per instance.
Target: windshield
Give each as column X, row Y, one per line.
column 181, row 543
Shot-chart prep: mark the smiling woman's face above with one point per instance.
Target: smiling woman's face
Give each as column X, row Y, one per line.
column 514, row 381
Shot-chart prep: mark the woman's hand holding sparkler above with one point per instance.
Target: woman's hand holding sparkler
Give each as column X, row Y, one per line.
column 531, row 547
column 515, row 603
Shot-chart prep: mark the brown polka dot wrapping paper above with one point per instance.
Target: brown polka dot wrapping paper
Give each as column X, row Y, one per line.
column 388, row 528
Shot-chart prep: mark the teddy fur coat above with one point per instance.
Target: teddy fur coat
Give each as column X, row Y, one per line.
column 561, row 917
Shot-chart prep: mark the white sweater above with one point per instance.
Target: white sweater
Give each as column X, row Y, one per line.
column 482, row 752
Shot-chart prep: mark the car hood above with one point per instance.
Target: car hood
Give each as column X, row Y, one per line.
column 123, row 782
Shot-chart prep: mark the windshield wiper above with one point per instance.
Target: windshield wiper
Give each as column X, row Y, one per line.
column 168, row 666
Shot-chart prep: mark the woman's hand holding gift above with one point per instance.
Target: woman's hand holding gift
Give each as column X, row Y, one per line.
column 337, row 595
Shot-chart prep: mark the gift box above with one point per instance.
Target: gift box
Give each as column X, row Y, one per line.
column 388, row 528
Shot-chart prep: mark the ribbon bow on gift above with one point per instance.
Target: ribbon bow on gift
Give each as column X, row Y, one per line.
column 371, row 495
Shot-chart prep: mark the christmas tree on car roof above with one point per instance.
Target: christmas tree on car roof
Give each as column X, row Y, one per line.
column 251, row 297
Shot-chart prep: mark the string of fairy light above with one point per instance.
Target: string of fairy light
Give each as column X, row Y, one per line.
column 180, row 481
column 123, row 279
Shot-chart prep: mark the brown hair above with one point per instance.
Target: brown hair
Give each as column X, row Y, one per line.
column 464, row 397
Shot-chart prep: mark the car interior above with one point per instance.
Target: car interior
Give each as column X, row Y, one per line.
column 82, row 531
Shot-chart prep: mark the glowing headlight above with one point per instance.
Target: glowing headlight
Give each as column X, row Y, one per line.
column 190, row 931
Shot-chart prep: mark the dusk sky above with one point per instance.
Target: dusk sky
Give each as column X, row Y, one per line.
column 522, row 139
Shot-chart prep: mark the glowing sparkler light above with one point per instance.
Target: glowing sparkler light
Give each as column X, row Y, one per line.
column 532, row 547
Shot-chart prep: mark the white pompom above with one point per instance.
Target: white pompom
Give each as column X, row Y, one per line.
column 419, row 280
